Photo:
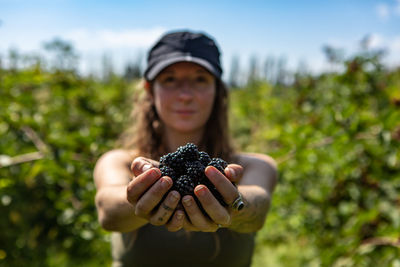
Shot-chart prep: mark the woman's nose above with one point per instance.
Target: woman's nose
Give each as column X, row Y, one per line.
column 185, row 90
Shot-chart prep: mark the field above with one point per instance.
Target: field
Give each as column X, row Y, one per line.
column 335, row 136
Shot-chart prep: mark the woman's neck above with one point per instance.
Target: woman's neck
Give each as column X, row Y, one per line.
column 174, row 139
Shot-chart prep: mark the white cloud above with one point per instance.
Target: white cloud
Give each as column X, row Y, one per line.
column 101, row 40
column 395, row 45
column 120, row 47
column 383, row 11
column 375, row 41
column 390, row 44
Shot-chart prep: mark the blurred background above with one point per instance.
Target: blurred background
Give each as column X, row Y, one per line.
column 314, row 84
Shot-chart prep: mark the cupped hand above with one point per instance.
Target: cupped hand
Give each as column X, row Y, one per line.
column 149, row 196
column 218, row 215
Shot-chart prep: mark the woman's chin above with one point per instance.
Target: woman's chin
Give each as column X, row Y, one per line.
column 187, row 128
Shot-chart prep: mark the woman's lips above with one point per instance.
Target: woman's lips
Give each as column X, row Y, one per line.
column 184, row 111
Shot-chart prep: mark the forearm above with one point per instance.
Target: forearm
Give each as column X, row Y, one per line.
column 251, row 218
column 115, row 212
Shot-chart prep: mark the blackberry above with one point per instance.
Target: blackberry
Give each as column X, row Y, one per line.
column 186, row 168
column 168, row 171
column 184, row 185
column 175, row 161
column 218, row 163
column 189, row 152
column 195, row 170
column 204, row 158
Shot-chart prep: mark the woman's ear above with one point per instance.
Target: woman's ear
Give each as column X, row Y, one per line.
column 147, row 86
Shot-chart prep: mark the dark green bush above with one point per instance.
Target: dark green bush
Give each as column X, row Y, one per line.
column 336, row 137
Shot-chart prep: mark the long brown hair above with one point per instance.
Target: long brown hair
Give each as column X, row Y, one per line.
column 145, row 135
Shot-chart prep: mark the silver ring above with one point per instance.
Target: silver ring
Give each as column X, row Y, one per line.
column 166, row 207
column 238, row 203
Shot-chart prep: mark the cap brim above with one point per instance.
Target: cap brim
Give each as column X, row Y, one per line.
column 156, row 69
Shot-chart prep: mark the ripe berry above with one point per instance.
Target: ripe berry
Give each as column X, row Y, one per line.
column 186, row 168
column 168, row 171
column 204, row 158
column 195, row 170
column 184, row 185
column 189, row 152
column 218, row 163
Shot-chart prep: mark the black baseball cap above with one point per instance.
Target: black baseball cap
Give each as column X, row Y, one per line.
column 183, row 46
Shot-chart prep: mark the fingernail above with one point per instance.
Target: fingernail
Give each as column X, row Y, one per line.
column 165, row 182
column 212, row 170
column 187, row 201
column 174, row 195
column 154, row 172
column 200, row 190
column 179, row 215
column 146, row 167
column 231, row 171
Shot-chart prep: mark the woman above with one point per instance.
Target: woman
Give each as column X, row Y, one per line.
column 184, row 101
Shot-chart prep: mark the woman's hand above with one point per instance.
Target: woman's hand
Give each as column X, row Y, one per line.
column 219, row 216
column 146, row 192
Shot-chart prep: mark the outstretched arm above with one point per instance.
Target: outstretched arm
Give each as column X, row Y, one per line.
column 256, row 186
column 111, row 176
column 129, row 193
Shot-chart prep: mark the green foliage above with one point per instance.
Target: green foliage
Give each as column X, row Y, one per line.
column 47, row 205
column 336, row 137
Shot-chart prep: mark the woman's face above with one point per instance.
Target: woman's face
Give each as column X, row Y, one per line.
column 183, row 95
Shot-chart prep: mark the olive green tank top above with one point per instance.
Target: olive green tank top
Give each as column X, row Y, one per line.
column 156, row 246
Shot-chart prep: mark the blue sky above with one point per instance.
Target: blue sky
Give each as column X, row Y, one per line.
column 123, row 29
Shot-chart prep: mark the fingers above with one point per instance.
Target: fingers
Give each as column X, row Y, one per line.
column 189, row 226
column 141, row 164
column 149, row 200
column 218, row 215
column 147, row 190
column 177, row 221
column 211, row 205
column 228, row 191
column 167, row 207
column 234, row 172
column 141, row 183
column 196, row 217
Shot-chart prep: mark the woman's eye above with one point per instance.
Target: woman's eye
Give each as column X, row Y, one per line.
column 169, row 79
column 201, row 79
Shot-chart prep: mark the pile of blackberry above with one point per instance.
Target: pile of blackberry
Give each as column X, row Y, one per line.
column 186, row 168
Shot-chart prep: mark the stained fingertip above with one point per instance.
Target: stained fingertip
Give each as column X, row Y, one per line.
column 166, row 182
column 179, row 215
column 230, row 172
column 187, row 201
column 174, row 195
column 155, row 172
column 200, row 190
column 211, row 170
